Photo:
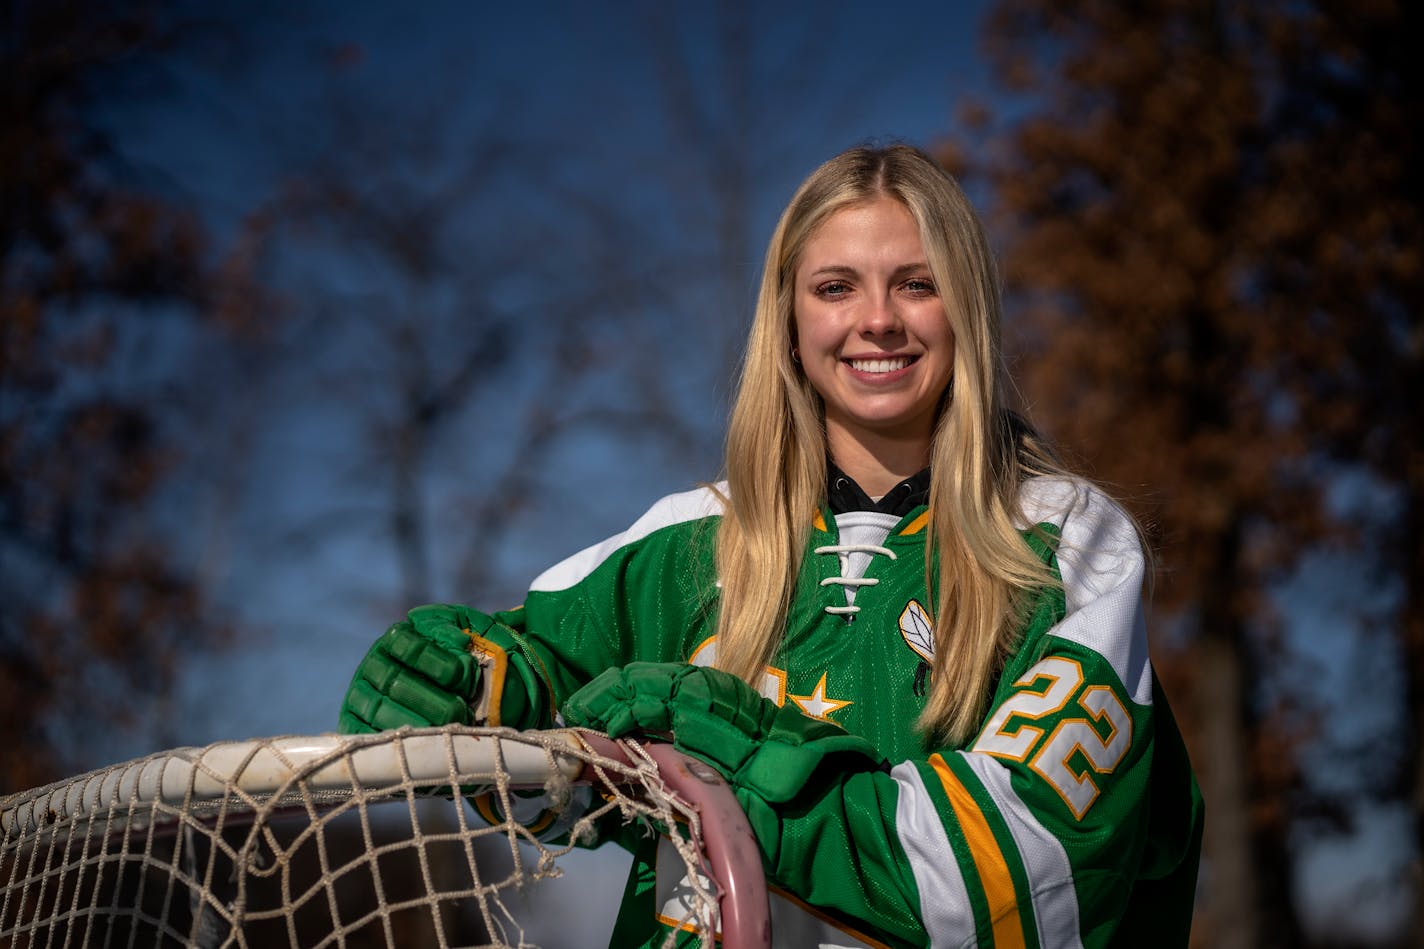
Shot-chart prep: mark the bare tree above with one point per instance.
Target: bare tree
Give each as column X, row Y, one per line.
column 445, row 327
column 99, row 280
column 518, row 293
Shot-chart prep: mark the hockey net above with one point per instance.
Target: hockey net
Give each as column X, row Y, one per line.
column 412, row 837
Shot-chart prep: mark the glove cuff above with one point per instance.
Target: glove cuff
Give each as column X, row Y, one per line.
column 509, row 690
column 488, row 705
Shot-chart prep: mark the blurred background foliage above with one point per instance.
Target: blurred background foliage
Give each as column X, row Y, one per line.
column 303, row 321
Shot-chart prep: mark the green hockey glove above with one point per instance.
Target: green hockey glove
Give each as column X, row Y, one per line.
column 761, row 748
column 442, row 664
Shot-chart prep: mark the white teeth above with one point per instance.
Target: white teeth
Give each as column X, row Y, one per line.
column 879, row 365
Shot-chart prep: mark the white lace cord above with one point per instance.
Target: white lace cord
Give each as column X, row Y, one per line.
column 843, row 552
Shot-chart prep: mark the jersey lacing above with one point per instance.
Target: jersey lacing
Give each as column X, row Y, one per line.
column 850, row 583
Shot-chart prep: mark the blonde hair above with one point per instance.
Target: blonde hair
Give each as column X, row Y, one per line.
column 776, row 448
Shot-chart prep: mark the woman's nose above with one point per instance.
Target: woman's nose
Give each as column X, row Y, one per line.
column 881, row 316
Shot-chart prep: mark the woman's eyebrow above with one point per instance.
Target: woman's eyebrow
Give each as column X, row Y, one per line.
column 839, row 270
column 834, row 270
column 906, row 269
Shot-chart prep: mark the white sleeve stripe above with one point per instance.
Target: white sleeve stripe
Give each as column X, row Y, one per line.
column 944, row 902
column 1100, row 559
column 1050, row 875
column 673, row 509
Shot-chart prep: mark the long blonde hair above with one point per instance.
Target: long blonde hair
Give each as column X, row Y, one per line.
column 776, row 448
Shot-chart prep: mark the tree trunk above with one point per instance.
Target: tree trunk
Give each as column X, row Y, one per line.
column 1228, row 871
column 1247, row 870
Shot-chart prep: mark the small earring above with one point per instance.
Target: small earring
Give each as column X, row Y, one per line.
column 795, row 355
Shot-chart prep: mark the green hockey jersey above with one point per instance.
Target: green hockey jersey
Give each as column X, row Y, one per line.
column 1071, row 819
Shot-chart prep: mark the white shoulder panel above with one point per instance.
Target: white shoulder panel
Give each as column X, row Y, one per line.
column 673, row 509
column 1101, row 561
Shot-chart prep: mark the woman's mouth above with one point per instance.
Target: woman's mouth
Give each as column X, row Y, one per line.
column 878, row 365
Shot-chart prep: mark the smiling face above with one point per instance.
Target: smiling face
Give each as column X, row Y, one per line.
column 871, row 329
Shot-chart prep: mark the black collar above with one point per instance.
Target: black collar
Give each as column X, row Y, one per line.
column 843, row 494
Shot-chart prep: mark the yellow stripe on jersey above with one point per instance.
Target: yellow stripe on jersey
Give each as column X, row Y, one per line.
column 917, row 525
column 819, row 522
column 989, row 860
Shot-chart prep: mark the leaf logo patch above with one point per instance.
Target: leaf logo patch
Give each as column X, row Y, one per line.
column 915, row 626
column 918, row 631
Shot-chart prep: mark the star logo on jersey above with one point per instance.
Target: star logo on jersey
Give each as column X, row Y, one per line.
column 816, row 704
column 918, row 631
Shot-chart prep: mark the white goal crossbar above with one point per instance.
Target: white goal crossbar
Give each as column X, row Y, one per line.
column 415, row 835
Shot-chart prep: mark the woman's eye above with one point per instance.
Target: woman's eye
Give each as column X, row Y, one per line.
column 832, row 288
column 920, row 287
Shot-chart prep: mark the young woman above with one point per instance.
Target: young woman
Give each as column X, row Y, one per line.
column 912, row 643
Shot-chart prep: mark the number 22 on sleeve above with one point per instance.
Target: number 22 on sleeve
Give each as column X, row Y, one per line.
column 1016, row 741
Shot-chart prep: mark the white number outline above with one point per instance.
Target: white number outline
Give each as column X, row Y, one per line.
column 1064, row 675
column 1070, row 735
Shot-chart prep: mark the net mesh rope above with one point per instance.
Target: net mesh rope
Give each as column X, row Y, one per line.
column 178, row 848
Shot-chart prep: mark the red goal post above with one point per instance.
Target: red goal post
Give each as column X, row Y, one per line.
column 355, row 840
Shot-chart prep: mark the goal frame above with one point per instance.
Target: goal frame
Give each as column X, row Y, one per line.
column 251, row 780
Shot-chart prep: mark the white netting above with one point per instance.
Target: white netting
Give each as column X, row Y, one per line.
column 330, row 840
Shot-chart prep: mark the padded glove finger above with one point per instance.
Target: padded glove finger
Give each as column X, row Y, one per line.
column 449, row 624
column 767, row 749
column 365, row 709
column 449, row 667
column 420, row 672
column 623, row 700
column 760, row 748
